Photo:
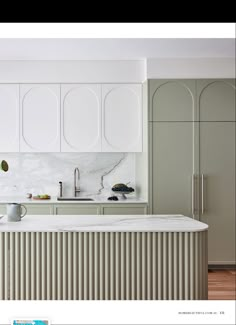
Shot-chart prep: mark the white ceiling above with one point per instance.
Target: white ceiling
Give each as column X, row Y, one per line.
column 114, row 49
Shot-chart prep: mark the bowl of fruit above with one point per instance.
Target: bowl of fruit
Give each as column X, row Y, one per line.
column 42, row 197
column 122, row 189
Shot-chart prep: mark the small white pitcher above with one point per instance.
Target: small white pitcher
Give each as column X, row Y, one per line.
column 14, row 212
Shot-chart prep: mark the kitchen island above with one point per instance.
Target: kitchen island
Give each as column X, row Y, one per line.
column 103, row 258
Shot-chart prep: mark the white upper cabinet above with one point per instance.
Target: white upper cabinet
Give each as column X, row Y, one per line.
column 40, row 118
column 81, row 118
column 122, row 118
column 9, row 122
column 71, row 118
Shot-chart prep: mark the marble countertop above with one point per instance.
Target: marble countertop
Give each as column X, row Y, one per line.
column 53, row 200
column 108, row 223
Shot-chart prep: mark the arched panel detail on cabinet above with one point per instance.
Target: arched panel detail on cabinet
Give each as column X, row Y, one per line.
column 216, row 100
column 40, row 118
column 173, row 101
column 122, row 118
column 81, row 118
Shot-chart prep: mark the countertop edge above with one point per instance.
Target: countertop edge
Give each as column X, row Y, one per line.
column 107, row 231
column 109, row 223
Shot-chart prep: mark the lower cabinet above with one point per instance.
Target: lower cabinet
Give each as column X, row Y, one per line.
column 3, row 209
column 83, row 209
column 76, row 209
column 39, row 208
column 124, row 209
column 32, row 209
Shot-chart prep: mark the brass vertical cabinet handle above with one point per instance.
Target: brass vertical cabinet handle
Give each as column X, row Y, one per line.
column 193, row 195
column 203, row 203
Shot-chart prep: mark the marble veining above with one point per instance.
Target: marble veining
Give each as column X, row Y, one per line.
column 109, row 172
column 111, row 223
column 39, row 173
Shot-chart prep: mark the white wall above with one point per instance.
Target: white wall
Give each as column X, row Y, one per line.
column 130, row 71
column 72, row 71
column 191, row 68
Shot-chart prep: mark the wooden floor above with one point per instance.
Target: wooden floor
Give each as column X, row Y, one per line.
column 222, row 285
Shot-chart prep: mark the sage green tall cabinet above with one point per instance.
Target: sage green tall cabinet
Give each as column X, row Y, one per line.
column 192, row 156
column 216, row 103
column 172, row 134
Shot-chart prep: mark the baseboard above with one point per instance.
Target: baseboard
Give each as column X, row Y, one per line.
column 222, row 267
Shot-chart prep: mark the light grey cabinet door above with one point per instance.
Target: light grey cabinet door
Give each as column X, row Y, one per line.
column 172, row 100
column 174, row 162
column 217, row 165
column 39, row 209
column 216, row 100
column 32, row 209
column 3, row 209
column 76, row 209
column 124, row 209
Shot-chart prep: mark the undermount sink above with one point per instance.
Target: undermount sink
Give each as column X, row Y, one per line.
column 74, row 199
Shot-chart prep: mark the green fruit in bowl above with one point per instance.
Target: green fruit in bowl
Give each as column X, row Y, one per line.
column 122, row 188
column 44, row 196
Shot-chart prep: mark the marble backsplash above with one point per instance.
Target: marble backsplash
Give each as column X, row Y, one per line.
column 39, row 173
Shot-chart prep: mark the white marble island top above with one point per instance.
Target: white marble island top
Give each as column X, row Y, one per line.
column 108, row 223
